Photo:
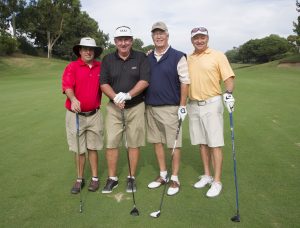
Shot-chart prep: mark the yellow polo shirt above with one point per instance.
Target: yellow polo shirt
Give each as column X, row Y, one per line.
column 206, row 71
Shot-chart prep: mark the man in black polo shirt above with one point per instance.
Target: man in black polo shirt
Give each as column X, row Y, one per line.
column 124, row 76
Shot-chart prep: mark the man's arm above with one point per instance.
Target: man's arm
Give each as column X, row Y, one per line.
column 75, row 104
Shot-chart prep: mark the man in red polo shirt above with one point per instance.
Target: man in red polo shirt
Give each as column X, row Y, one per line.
column 80, row 83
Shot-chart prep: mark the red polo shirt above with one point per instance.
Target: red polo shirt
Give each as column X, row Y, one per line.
column 85, row 82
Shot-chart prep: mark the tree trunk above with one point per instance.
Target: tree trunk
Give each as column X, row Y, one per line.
column 49, row 45
column 14, row 24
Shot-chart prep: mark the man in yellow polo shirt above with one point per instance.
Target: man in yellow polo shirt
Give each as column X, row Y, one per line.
column 207, row 68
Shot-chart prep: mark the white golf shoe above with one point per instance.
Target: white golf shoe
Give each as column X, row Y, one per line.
column 214, row 190
column 158, row 182
column 174, row 188
column 204, row 180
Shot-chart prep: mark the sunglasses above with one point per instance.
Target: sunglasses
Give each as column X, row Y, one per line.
column 201, row 29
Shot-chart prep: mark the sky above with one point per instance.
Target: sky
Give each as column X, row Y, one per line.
column 230, row 23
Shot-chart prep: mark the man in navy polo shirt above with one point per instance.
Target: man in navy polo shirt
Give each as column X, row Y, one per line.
column 166, row 103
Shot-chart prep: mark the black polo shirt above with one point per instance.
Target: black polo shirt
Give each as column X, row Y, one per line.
column 122, row 75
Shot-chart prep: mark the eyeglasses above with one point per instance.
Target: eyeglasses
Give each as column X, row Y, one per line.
column 201, row 29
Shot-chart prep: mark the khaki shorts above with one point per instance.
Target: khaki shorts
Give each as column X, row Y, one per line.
column 162, row 124
column 135, row 126
column 206, row 122
column 90, row 132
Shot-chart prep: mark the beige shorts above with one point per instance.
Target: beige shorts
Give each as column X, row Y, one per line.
column 206, row 122
column 135, row 126
column 90, row 132
column 162, row 124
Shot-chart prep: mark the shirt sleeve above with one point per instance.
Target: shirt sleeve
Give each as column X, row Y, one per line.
column 183, row 71
column 225, row 68
column 104, row 74
column 145, row 69
column 68, row 78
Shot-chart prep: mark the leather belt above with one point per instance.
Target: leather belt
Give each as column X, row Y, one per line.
column 205, row 102
column 87, row 114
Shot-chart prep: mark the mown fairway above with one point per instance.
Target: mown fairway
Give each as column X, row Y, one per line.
column 37, row 171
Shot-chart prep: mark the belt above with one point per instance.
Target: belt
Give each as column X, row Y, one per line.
column 87, row 114
column 205, row 102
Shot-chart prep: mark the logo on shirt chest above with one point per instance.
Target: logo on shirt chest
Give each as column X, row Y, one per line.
column 133, row 67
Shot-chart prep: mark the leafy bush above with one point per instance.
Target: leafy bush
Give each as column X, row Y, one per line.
column 8, row 44
column 26, row 47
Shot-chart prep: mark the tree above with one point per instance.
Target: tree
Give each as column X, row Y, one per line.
column 76, row 28
column 9, row 9
column 45, row 20
column 264, row 50
column 296, row 39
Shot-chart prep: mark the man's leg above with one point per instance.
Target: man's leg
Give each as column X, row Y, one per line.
column 176, row 162
column 112, row 155
column 160, row 156
column 206, row 158
column 217, row 161
column 80, row 162
column 93, row 158
column 134, row 155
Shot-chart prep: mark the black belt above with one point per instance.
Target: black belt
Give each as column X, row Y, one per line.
column 87, row 114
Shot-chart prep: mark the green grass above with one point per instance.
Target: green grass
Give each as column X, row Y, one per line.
column 37, row 171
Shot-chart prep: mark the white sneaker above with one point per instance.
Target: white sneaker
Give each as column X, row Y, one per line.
column 215, row 189
column 173, row 189
column 158, row 182
column 204, row 180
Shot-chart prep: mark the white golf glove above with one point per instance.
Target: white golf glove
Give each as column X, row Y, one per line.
column 121, row 97
column 182, row 112
column 228, row 101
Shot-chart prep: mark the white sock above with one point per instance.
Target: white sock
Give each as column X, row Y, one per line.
column 174, row 178
column 113, row 178
column 131, row 177
column 95, row 178
column 163, row 174
column 79, row 179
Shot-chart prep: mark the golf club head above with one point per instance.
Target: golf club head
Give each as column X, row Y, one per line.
column 236, row 218
column 155, row 214
column 134, row 212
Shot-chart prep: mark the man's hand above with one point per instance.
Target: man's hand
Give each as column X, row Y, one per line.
column 75, row 105
column 182, row 112
column 228, row 101
column 121, row 97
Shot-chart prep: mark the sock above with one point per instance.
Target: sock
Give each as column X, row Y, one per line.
column 95, row 178
column 131, row 177
column 79, row 179
column 113, row 178
column 163, row 174
column 174, row 178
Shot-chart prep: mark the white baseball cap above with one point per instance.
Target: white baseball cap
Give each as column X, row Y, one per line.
column 123, row 31
column 199, row 30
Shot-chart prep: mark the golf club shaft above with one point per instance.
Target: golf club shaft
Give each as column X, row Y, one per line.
column 234, row 163
column 126, row 146
column 78, row 159
column 173, row 150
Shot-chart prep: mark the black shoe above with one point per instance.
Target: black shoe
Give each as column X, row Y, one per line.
column 131, row 185
column 77, row 186
column 110, row 185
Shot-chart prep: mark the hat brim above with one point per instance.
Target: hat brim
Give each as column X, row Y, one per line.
column 97, row 50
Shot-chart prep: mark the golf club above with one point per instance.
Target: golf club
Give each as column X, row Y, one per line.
column 78, row 161
column 235, row 218
column 156, row 214
column 134, row 211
